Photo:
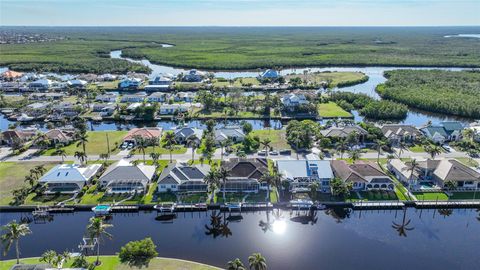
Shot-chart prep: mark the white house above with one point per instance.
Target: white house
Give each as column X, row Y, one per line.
column 184, row 96
column 234, row 133
column 293, row 100
column 166, row 109
column 182, row 177
column 133, row 98
column 107, row 97
column 182, row 134
column 123, row 177
column 301, row 173
column 158, row 97
column 68, row 178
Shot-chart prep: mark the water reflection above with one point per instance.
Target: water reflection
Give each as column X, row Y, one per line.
column 218, row 225
column 308, row 217
column 339, row 213
column 277, row 225
column 445, row 212
column 403, row 227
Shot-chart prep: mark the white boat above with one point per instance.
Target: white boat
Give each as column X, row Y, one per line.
column 165, row 207
column 301, row 204
column 102, row 209
column 25, row 118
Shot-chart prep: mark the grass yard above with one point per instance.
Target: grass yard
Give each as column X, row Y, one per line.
column 332, row 110
column 430, row 196
column 416, row 148
column 336, row 78
column 12, row 176
column 179, row 149
column 97, row 143
column 236, row 83
column 200, row 197
column 113, row 263
column 278, row 137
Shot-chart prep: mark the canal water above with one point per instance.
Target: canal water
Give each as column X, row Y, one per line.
column 332, row 239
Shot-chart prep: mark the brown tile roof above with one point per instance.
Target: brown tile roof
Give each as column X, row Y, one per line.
column 358, row 172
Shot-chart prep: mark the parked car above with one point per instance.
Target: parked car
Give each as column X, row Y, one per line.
column 262, row 153
column 447, row 148
column 273, row 153
column 285, row 152
column 130, row 146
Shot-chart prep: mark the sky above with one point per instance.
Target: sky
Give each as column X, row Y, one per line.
column 239, row 12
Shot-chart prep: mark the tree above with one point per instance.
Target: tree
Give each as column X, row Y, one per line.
column 402, row 146
column 211, row 179
column 12, row 232
column 268, row 178
column 266, row 145
column 192, row 142
column 81, row 156
column 450, row 184
column 141, row 145
column 138, row 253
column 432, row 150
column 469, row 134
column 355, row 155
column 379, row 144
column 222, row 175
column 55, row 259
column 340, row 188
column 403, row 227
column 155, row 157
column 96, row 229
column 169, row 143
column 235, row 265
column 61, row 152
column 257, row 262
column 313, row 189
column 341, row 147
column 83, row 140
column 412, row 167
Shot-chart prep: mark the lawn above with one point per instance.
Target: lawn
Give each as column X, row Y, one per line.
column 417, row 148
column 200, row 197
column 12, row 177
column 335, row 78
column 179, row 149
column 332, row 110
column 277, row 137
column 97, row 143
column 236, row 82
column 112, row 263
column 430, row 196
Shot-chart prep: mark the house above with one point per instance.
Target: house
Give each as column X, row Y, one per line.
column 444, row 132
column 140, row 97
column 344, row 132
column 475, row 127
column 301, row 173
column 129, row 83
column 184, row 97
column 244, row 175
column 68, row 178
column 13, row 136
column 11, row 75
column 363, row 175
column 107, row 97
column 67, row 109
column 107, row 77
column 193, row 76
column 78, row 84
column 166, row 109
column 269, row 74
column 46, row 96
column 58, row 136
column 160, row 81
column 158, row 97
column 148, row 134
column 397, row 133
column 434, row 173
column 234, row 133
column 123, row 177
column 184, row 133
column 183, row 178
column 37, row 109
column 98, row 107
column 133, row 106
column 40, row 85
column 292, row 100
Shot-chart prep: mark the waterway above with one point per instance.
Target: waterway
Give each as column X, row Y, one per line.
column 339, row 239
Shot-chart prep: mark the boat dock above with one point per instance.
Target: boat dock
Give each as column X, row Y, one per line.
column 447, row 204
column 124, row 208
column 377, row 205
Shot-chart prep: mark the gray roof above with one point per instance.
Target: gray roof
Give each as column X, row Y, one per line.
column 186, row 132
column 179, row 174
column 123, row 171
column 303, row 168
column 70, row 173
column 399, row 130
column 343, row 131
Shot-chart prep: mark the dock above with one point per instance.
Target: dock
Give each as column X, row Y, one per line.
column 124, row 208
column 447, row 204
column 378, row 205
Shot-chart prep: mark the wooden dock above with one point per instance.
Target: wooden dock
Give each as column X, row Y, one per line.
column 378, row 205
column 124, row 208
column 447, row 204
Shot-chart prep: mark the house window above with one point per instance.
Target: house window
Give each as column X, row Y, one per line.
column 469, row 183
column 173, row 186
column 162, row 186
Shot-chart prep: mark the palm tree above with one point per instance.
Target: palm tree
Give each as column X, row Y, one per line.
column 266, row 145
column 341, row 147
column 222, row 175
column 355, row 155
column 222, row 145
column 141, row 144
column 402, row 146
column 31, row 180
column 235, row 265
column 61, row 152
column 313, row 189
column 82, row 140
column 155, row 157
column 13, row 231
column 412, row 166
column 211, row 179
column 81, row 156
column 38, row 171
column 169, row 143
column 269, row 179
column 257, row 262
column 468, row 133
column 433, row 150
column 96, row 229
column 192, row 142
column 403, row 228
column 380, row 144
